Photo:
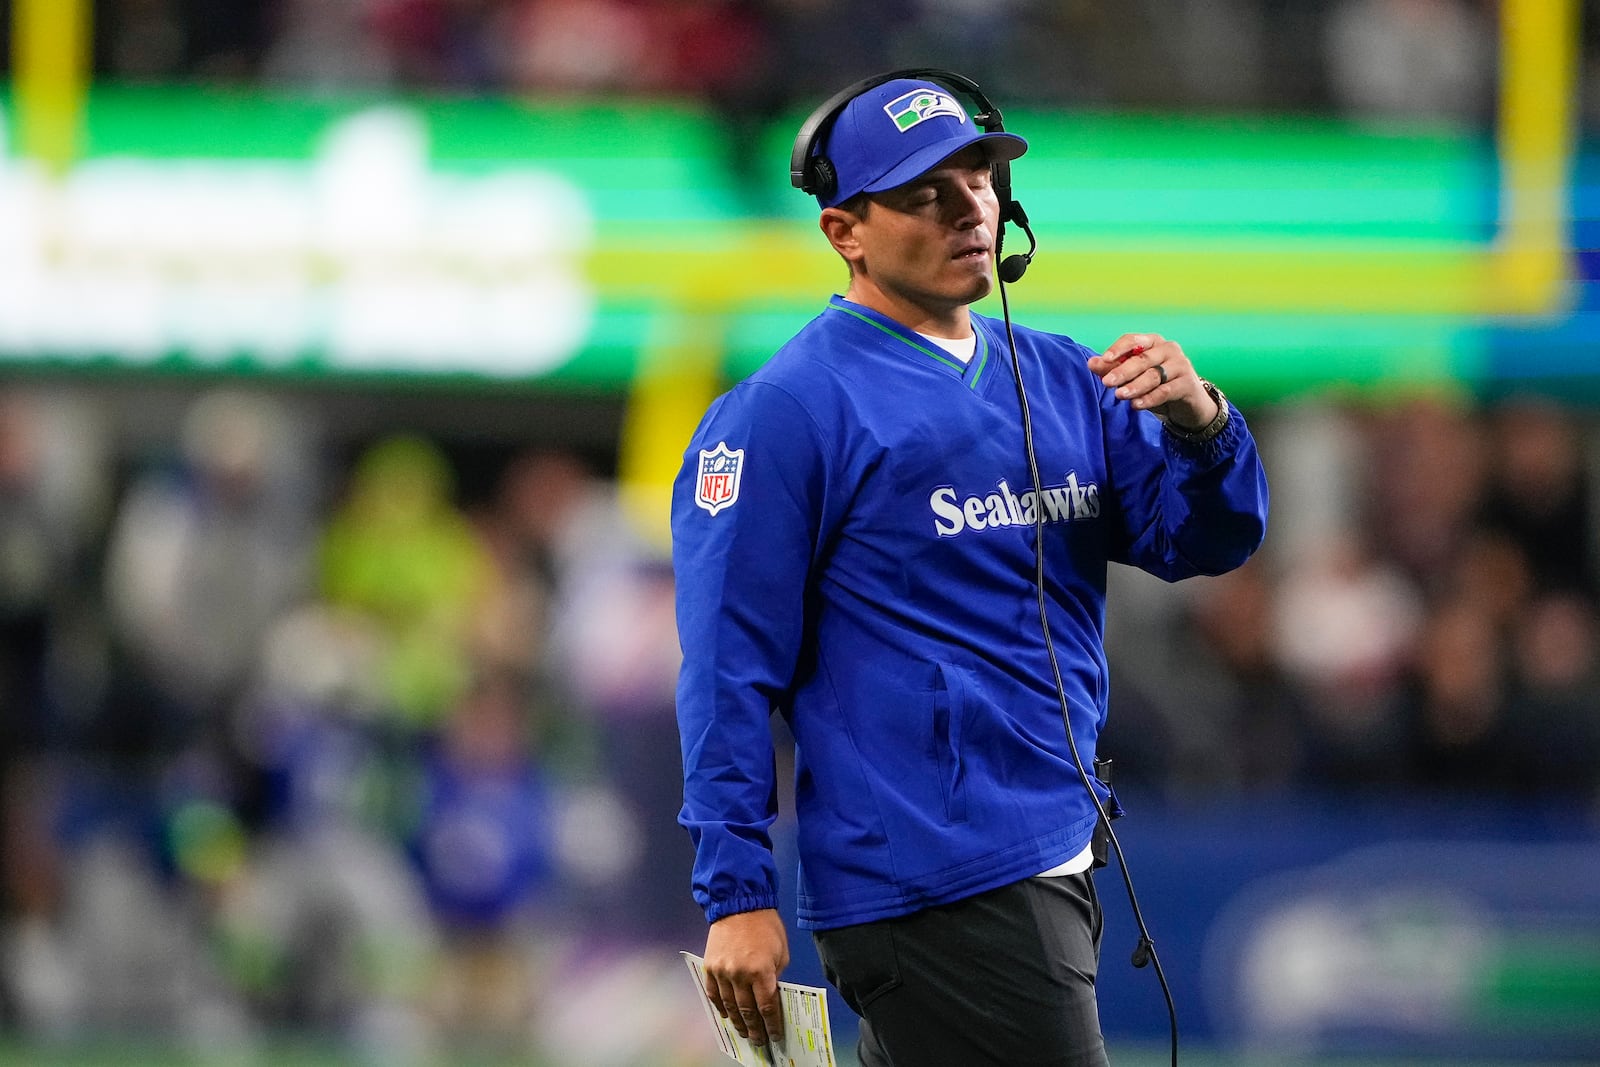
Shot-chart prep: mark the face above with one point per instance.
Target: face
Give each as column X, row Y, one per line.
column 925, row 250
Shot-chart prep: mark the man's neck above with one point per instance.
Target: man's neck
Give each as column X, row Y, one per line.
column 954, row 323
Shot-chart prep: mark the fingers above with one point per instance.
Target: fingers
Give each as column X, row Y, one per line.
column 1147, row 388
column 1124, row 348
column 1145, row 369
column 1133, row 344
column 771, row 1006
column 745, row 953
column 754, row 1009
column 761, row 1012
column 723, row 992
column 714, row 994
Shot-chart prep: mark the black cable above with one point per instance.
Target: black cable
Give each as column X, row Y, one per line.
column 1145, row 951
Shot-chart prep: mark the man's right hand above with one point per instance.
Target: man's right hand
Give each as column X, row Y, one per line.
column 745, row 953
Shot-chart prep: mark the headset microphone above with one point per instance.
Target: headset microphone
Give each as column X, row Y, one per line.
column 1013, row 267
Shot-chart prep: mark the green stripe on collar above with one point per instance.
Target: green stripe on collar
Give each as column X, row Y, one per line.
column 937, row 354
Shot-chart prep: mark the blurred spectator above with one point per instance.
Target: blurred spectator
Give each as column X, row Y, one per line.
column 208, row 551
column 180, row 40
column 1218, row 47
column 1211, row 709
column 205, row 550
column 1411, row 59
column 621, row 640
column 715, row 48
column 484, row 843
column 815, row 57
column 1552, row 716
column 542, row 514
column 226, row 39
column 52, row 496
column 1346, row 621
column 1295, row 64
column 324, row 892
column 314, row 732
column 969, row 37
column 327, row 45
column 439, row 43
column 1075, row 53
column 1458, row 703
column 1256, row 714
column 327, row 937
column 399, row 554
column 1493, row 574
column 1067, row 52
column 722, row 52
column 1424, row 473
column 534, row 530
column 1540, row 495
column 583, row 46
column 141, row 40
column 127, row 959
column 608, row 671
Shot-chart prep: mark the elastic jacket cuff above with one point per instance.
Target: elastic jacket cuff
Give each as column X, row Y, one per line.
column 721, row 909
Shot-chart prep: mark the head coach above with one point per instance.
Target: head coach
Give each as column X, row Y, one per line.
column 896, row 534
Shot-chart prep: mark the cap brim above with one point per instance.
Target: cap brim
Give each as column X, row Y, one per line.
column 999, row 147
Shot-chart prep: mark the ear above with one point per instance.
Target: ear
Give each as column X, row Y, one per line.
column 839, row 226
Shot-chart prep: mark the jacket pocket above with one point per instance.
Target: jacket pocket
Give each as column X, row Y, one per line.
column 950, row 709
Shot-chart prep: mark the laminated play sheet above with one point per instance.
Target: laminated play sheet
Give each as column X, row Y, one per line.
column 807, row 1040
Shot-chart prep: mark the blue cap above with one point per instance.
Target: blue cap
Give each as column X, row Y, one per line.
column 900, row 130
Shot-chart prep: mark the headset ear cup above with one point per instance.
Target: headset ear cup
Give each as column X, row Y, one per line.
column 823, row 180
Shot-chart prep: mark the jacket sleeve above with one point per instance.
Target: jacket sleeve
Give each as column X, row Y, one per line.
column 746, row 514
column 1186, row 508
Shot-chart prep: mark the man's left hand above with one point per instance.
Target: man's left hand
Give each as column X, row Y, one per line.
column 1154, row 375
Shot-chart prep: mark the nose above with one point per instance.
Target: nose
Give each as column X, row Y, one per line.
column 966, row 208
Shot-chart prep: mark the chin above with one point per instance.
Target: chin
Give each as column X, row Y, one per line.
column 980, row 280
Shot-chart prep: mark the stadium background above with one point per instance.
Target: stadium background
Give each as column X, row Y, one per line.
column 346, row 347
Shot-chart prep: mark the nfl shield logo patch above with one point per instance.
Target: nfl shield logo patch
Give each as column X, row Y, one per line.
column 720, row 469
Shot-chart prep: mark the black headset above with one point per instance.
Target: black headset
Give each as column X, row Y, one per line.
column 812, row 172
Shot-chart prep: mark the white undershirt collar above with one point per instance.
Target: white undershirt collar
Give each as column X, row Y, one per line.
column 960, row 347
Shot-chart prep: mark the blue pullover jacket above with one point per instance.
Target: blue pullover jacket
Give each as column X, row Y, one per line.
column 853, row 544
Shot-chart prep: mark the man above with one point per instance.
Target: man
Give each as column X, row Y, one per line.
column 854, row 538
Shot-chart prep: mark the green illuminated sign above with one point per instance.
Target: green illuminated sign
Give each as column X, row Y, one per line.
column 551, row 242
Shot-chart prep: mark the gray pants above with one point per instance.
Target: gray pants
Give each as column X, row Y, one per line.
column 1003, row 978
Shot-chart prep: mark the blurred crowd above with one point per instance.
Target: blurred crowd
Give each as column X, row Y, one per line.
column 755, row 59
column 1423, row 620
column 300, row 741
column 296, row 735
column 753, row 63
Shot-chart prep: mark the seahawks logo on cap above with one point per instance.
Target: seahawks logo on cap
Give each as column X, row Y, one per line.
column 919, row 105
